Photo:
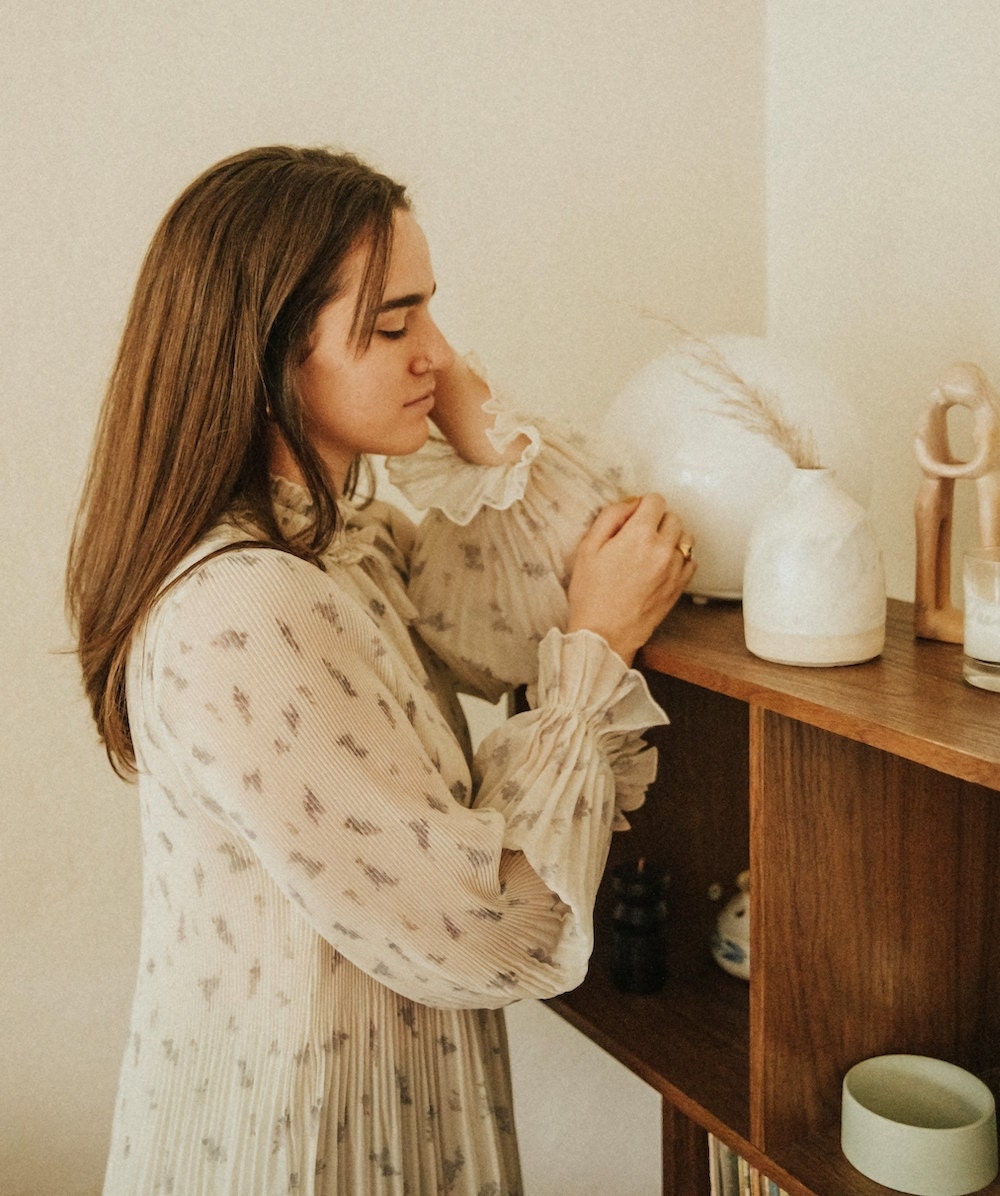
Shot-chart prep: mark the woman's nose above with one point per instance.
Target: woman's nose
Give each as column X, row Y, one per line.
column 435, row 352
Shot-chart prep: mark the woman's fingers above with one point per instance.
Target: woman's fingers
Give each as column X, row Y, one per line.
column 644, row 526
column 612, row 519
column 630, row 569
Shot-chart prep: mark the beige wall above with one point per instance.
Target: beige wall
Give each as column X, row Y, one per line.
column 572, row 163
column 883, row 250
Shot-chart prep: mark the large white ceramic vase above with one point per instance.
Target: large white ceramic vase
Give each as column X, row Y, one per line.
column 813, row 580
column 676, row 424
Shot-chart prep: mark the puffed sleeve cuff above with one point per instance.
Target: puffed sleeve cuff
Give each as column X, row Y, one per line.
column 562, row 771
column 437, row 477
column 580, row 670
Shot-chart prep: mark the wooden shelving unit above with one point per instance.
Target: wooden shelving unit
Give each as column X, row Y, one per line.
column 867, row 802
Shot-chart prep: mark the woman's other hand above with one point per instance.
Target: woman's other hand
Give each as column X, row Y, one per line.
column 629, row 570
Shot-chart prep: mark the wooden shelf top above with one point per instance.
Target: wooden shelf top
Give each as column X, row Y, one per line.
column 911, row 701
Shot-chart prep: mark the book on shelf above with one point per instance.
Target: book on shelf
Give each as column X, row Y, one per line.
column 731, row 1175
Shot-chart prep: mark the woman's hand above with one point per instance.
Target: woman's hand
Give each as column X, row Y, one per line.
column 629, row 570
column 459, row 395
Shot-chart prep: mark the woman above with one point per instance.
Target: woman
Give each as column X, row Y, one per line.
column 338, row 899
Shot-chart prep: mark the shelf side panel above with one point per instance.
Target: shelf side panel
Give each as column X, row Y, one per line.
column 875, row 918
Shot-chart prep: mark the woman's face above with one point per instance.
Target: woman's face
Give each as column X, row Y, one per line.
column 376, row 400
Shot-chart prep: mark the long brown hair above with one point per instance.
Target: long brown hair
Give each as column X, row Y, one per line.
column 224, row 305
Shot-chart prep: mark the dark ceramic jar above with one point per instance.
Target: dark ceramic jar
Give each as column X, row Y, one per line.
column 639, row 928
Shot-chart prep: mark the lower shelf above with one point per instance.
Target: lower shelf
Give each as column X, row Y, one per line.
column 689, row 1042
column 820, row 1166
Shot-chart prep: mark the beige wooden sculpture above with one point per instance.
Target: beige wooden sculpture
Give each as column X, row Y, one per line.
column 963, row 385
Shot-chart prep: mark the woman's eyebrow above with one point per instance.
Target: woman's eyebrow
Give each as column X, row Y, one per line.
column 413, row 300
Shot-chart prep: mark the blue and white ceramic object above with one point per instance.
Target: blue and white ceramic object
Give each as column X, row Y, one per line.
column 731, row 941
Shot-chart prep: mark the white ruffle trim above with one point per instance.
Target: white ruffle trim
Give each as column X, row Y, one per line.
column 585, row 674
column 579, row 671
column 437, row 477
column 581, row 752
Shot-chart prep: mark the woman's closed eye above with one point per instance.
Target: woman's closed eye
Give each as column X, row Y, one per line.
column 393, row 334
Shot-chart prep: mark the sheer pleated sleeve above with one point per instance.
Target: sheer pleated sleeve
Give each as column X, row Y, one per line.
column 275, row 702
column 493, row 553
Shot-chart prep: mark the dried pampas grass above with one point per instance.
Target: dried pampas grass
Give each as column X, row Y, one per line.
column 756, row 410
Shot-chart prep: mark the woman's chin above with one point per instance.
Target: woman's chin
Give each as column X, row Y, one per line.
column 415, row 442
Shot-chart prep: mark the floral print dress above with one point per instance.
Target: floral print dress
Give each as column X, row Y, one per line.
column 339, row 899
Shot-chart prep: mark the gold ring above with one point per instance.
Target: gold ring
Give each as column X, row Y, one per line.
column 684, row 547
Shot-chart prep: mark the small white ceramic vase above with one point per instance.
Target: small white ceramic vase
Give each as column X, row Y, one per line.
column 813, row 580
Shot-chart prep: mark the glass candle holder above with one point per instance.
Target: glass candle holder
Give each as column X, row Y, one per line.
column 981, row 586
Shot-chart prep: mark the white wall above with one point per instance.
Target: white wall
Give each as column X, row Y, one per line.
column 883, row 250
column 573, row 163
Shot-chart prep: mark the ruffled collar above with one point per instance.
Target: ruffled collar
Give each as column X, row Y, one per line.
column 360, row 540
column 290, row 498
